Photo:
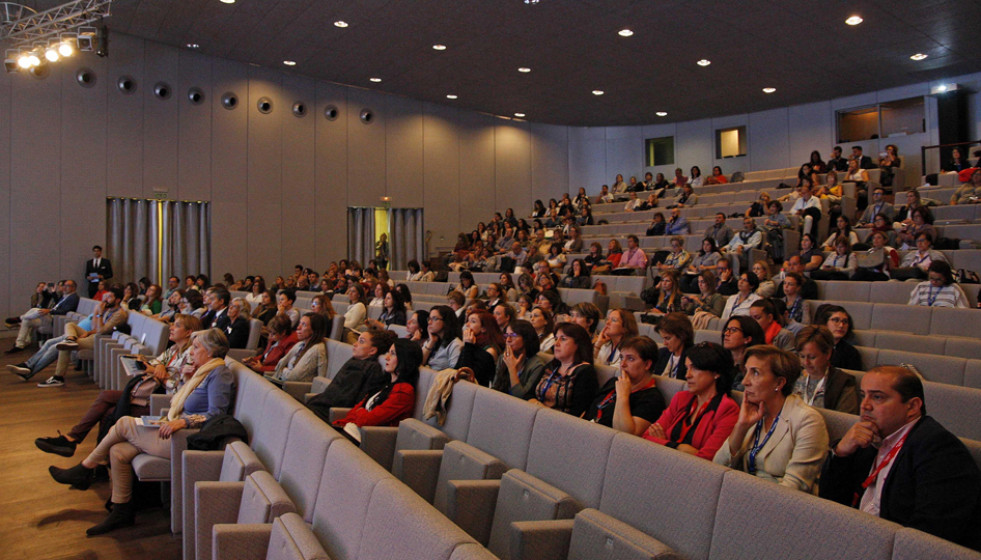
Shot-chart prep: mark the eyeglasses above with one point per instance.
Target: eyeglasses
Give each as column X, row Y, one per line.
column 839, row 320
column 730, row 330
column 433, row 319
column 511, row 335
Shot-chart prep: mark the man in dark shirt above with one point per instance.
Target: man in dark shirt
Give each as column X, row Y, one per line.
column 809, row 290
column 837, row 162
column 359, row 377
column 864, row 162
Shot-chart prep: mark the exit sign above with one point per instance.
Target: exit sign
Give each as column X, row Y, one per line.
column 160, row 195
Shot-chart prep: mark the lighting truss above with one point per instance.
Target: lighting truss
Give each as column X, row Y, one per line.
column 47, row 25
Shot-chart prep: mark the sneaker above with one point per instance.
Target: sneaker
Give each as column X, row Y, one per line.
column 67, row 345
column 14, row 349
column 57, row 445
column 10, row 324
column 20, row 370
column 53, row 381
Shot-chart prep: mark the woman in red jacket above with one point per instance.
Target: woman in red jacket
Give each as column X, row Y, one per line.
column 397, row 399
column 699, row 420
column 282, row 337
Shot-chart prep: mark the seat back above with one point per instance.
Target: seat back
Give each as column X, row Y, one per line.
column 263, row 500
column 238, row 462
column 911, row 544
column 303, row 459
column 598, row 535
column 291, row 539
column 459, row 412
column 496, row 413
column 269, row 439
column 524, row 497
column 338, row 353
column 462, row 461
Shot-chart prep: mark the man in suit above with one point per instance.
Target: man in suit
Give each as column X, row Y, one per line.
column 836, row 162
column 864, row 162
column 28, row 325
column 97, row 269
column 900, row 464
column 217, row 315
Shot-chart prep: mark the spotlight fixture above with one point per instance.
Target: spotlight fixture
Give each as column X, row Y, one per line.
column 661, row 114
column 524, row 69
column 86, row 39
column 289, row 62
column 519, row 115
column 193, row 46
column 439, row 47
column 625, row 32
column 48, row 36
column 450, row 96
column 769, row 90
column 704, row 62
column 598, row 92
column 375, row 80
column 854, row 20
column 532, row 2
column 919, row 56
column 340, row 23
column 51, row 53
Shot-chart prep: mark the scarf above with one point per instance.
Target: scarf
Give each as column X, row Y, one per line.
column 177, row 403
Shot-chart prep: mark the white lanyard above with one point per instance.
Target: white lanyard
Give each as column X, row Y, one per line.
column 817, row 390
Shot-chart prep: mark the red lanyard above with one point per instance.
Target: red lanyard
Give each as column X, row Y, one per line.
column 613, row 395
column 875, row 473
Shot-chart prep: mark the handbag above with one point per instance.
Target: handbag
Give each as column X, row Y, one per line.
column 873, row 258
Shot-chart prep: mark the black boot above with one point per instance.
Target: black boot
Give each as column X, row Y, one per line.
column 122, row 515
column 78, row 476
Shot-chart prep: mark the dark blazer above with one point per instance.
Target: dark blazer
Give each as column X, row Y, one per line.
column 836, row 384
column 66, row 304
column 238, row 332
column 845, row 356
column 663, row 356
column 104, row 269
column 934, row 485
column 866, row 163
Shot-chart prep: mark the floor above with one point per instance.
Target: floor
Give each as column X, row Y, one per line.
column 40, row 518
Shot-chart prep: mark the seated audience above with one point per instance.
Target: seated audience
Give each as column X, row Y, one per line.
column 361, row 376
column 726, row 283
column 719, row 232
column 767, row 287
column 840, row 323
column 568, row 383
column 717, row 178
column 748, row 238
column 776, row 437
column 29, row 322
column 798, row 310
column 266, row 309
column 875, row 264
column 707, row 259
column 393, row 312
column 739, row 303
column 842, row 231
column 238, row 327
column 308, row 357
column 677, row 259
column 286, row 298
column 765, row 314
column 482, row 345
column 916, row 263
column 677, row 336
column 587, row 316
column 658, row 225
column 899, row 464
column 920, row 222
column 677, row 225
column 700, row 418
column 578, row 276
column 738, row 334
column 877, row 206
column 356, row 313
column 821, row 384
column 281, row 339
column 519, row 368
column 395, row 400
column 968, row 193
column 443, row 347
column 417, row 326
column 840, row 265
column 634, row 260
column 620, row 326
column 939, row 290
column 541, row 319
column 630, row 402
column 706, row 304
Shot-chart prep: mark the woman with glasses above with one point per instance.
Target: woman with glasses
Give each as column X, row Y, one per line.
column 443, row 348
column 777, row 436
column 738, row 335
column 840, row 323
column 519, row 368
column 569, row 381
column 587, row 316
column 700, row 418
column 630, row 401
column 939, row 290
column 821, row 384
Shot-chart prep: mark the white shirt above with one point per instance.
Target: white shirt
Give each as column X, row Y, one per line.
column 872, row 497
column 802, row 204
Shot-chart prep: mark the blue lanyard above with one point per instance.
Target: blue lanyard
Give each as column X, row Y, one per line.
column 795, row 309
column 932, row 297
column 757, row 446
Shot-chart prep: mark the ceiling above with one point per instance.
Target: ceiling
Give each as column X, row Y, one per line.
column 801, row 48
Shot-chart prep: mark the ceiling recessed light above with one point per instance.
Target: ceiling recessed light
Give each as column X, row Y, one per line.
column 193, row 46
column 519, row 115
column 376, row 80
column 661, row 114
column 704, row 62
column 227, row 1
column 340, row 23
column 439, row 47
column 769, row 90
column 919, row 56
column 524, row 69
column 625, row 32
column 854, row 20
column 598, row 92
column 450, row 96
column 289, row 62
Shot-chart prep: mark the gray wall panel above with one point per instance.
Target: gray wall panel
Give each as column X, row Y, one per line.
column 403, row 152
column 265, row 191
column 441, row 177
column 229, row 167
column 194, row 127
column 550, row 164
column 512, row 170
column 331, row 176
column 125, row 115
column 299, row 194
column 229, row 230
column 769, row 141
column 13, row 297
column 366, row 149
column 160, row 122
column 477, row 173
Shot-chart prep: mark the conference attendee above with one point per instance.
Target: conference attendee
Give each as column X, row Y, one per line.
column 569, row 381
column 152, row 302
column 217, row 300
column 840, row 323
column 822, row 385
column 939, row 290
column 840, row 265
column 519, row 368
column 677, row 225
column 798, row 309
column 686, row 198
column 667, row 296
column 767, row 287
column 162, row 374
column 747, row 239
column 254, row 296
column 131, row 297
column 738, row 303
column 701, row 417
column 267, row 308
column 286, row 299
column 807, row 207
column 706, row 304
column 633, row 260
column 192, row 304
column 544, row 323
column 393, row 402
column 677, row 336
column 207, row 393
column 920, row 222
column 321, row 304
column 958, row 161
column 899, row 464
column 393, row 312
column 717, row 178
column 443, row 346
column 677, row 258
column 35, row 317
column 843, row 231
column 707, row 259
column 836, row 161
column 807, row 290
column 726, row 283
column 356, row 313
column 483, row 343
column 876, row 206
column 416, row 326
column 970, row 192
column 719, row 231
column 587, row 316
column 280, row 340
column 630, row 402
column 876, row 264
column 359, row 377
column 107, row 317
column 308, row 357
column 97, row 270
column 765, row 314
column 620, row 326
column 738, row 334
column 916, row 263
column 578, row 276
column 239, row 326
column 777, row 437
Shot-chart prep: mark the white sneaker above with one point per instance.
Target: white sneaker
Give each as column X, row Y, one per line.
column 52, row 381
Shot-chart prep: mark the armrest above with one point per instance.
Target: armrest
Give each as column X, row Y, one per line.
column 240, row 542
column 214, row 503
column 297, row 389
column 470, row 504
column 308, row 396
column 198, row 466
column 240, row 354
column 178, row 445
column 319, row 384
column 378, row 442
column 336, row 413
column 419, row 470
column 158, row 402
column 540, row 540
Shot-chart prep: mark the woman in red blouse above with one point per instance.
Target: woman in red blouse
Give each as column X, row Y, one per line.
column 396, row 400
